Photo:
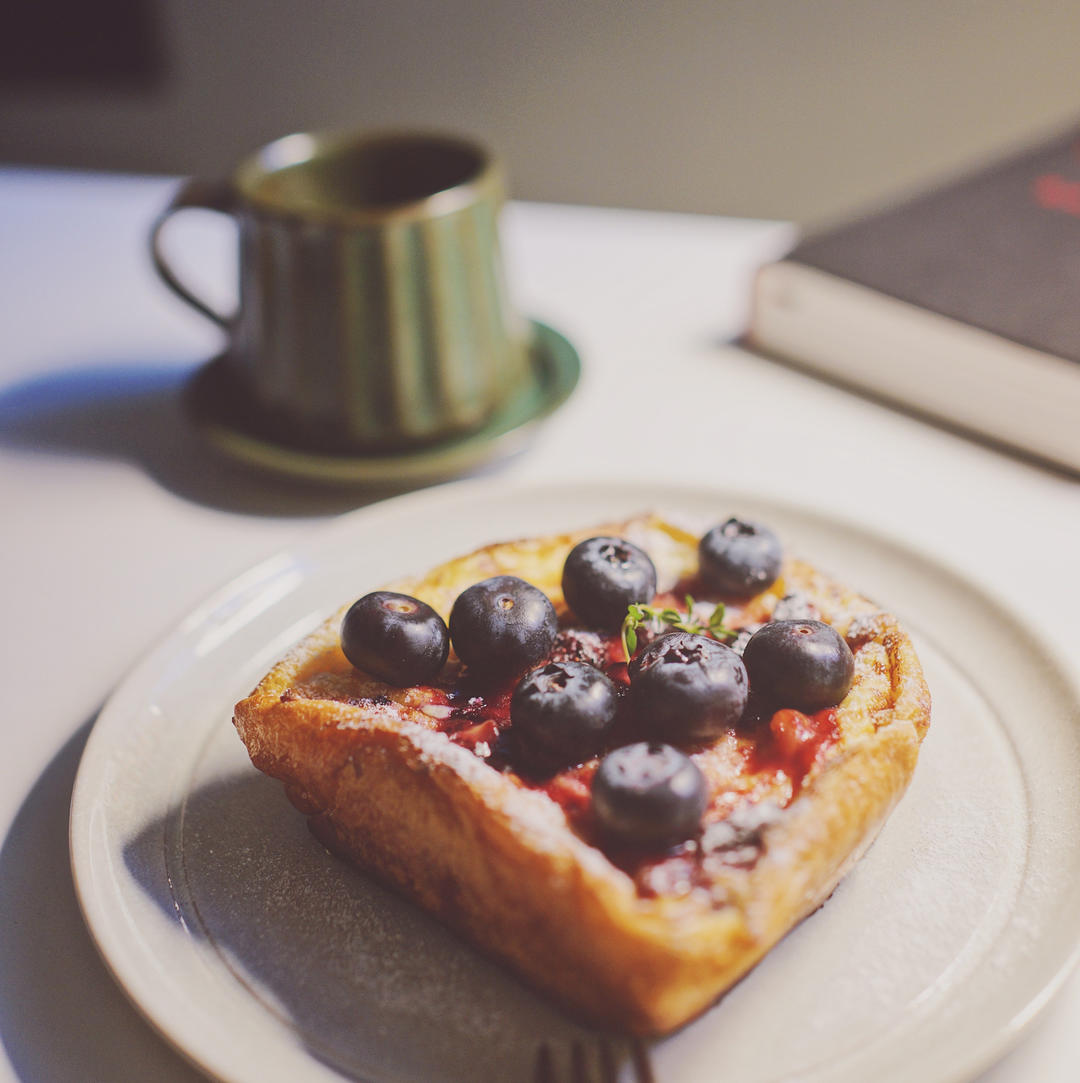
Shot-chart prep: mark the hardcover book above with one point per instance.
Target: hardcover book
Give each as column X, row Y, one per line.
column 962, row 303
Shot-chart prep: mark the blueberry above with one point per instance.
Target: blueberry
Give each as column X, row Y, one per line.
column 687, row 687
column 739, row 559
column 803, row 664
column 602, row 576
column 648, row 796
column 394, row 637
column 502, row 624
column 560, row 714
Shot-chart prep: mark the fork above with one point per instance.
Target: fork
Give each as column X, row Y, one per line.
column 604, row 1058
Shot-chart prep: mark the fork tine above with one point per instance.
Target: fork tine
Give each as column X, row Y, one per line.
column 608, row 1072
column 544, row 1072
column 642, row 1065
column 579, row 1072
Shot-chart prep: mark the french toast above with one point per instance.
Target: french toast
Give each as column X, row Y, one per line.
column 419, row 785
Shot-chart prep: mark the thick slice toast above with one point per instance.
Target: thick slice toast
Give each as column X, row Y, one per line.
column 409, row 784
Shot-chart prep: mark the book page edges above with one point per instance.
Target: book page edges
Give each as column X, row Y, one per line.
column 933, row 364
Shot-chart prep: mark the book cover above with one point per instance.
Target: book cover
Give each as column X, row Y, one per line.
column 962, row 304
column 999, row 249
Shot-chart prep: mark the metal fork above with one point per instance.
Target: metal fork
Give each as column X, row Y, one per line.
column 603, row 1058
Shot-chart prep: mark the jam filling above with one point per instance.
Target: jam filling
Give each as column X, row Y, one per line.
column 754, row 772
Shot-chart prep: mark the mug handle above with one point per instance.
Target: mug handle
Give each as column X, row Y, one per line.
column 194, row 192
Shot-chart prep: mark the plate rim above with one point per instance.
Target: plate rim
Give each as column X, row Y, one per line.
column 321, row 537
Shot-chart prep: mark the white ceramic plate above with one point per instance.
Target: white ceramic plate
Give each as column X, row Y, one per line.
column 263, row 958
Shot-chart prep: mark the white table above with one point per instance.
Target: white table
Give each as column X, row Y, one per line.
column 116, row 521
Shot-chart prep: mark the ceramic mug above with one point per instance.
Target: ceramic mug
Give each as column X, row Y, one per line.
column 373, row 311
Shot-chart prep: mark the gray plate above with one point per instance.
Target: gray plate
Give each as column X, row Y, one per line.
column 265, row 959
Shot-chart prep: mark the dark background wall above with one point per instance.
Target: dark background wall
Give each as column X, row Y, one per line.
column 770, row 108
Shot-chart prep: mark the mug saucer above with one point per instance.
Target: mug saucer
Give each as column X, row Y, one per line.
column 225, row 421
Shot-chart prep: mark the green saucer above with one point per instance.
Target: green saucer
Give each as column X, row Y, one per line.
column 224, row 417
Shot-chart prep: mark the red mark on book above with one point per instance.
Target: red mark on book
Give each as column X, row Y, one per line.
column 1053, row 192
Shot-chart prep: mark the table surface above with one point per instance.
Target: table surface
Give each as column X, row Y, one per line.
column 118, row 521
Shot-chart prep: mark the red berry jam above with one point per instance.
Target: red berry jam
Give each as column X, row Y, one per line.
column 752, row 770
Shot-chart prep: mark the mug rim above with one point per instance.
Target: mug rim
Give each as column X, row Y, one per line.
column 485, row 182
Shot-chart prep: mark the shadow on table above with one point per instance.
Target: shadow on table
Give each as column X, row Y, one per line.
column 62, row 1017
column 135, row 412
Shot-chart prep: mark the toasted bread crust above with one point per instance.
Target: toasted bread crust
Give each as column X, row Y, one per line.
column 498, row 862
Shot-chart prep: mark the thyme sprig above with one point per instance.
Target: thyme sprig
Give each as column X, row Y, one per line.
column 638, row 615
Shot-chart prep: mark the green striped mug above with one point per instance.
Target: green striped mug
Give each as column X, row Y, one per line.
column 373, row 311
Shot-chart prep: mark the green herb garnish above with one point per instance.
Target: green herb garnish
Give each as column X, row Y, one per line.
column 638, row 615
